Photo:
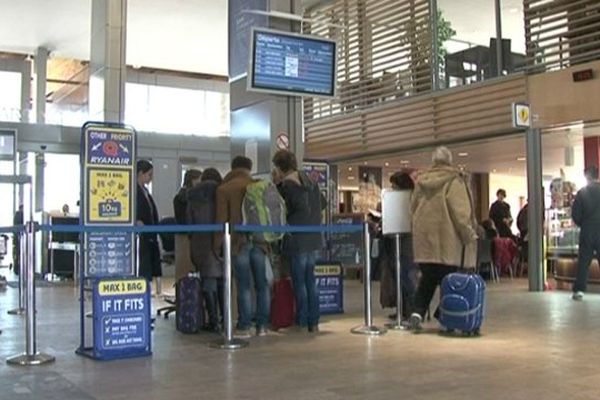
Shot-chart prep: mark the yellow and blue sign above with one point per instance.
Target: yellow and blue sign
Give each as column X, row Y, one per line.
column 109, row 153
column 121, row 318
column 330, row 286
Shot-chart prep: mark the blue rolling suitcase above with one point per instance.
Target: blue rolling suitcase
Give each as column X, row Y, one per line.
column 462, row 303
column 190, row 306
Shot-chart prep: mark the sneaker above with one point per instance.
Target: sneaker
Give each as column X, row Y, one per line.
column 416, row 322
column 577, row 296
column 261, row 331
column 242, row 334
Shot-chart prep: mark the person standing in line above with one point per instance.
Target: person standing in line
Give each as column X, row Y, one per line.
column 500, row 214
column 183, row 262
column 586, row 215
column 444, row 228
column 248, row 258
column 201, row 210
column 147, row 214
column 304, row 204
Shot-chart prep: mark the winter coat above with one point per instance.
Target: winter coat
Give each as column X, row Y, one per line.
column 230, row 195
column 180, row 206
column 201, row 209
column 443, row 220
column 585, row 211
column 304, row 203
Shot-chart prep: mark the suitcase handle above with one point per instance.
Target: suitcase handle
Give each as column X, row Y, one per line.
column 460, row 313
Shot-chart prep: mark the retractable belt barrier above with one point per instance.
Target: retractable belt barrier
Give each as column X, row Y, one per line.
column 228, row 342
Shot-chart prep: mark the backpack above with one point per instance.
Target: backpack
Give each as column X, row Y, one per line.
column 263, row 205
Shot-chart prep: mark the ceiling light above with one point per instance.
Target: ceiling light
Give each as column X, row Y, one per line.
column 521, row 158
column 463, row 154
column 494, row 170
column 349, row 168
column 513, row 10
column 350, row 178
column 404, row 162
column 366, row 163
column 387, row 164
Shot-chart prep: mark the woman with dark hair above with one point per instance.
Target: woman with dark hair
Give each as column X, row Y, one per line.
column 201, row 210
column 183, row 262
column 147, row 214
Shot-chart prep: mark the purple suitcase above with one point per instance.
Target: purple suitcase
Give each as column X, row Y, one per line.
column 190, row 305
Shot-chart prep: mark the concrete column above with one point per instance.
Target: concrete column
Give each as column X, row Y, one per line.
column 25, row 91
column 107, row 60
column 536, row 210
column 41, row 69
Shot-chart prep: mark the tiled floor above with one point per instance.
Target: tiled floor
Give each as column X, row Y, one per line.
column 535, row 346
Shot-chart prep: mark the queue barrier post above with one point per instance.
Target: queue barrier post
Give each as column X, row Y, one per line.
column 368, row 328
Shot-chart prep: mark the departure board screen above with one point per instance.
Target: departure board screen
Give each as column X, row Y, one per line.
column 289, row 63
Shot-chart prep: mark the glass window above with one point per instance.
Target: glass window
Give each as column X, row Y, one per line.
column 175, row 110
column 10, row 96
column 61, row 168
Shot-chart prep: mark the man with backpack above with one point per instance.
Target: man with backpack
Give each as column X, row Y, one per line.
column 248, row 256
column 304, row 204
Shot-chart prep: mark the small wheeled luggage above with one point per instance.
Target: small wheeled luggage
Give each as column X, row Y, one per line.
column 190, row 307
column 462, row 302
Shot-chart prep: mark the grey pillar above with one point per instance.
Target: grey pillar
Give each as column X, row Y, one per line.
column 536, row 210
column 25, row 91
column 41, row 67
column 107, row 60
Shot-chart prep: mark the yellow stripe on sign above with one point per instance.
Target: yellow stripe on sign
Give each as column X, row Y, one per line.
column 327, row 270
column 116, row 287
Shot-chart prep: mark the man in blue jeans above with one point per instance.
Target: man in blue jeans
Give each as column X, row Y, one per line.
column 248, row 258
column 304, row 203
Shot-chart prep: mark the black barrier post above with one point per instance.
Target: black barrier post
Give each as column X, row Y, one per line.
column 228, row 342
column 368, row 328
column 31, row 355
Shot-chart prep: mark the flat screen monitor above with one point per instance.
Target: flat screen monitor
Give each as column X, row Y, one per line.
column 292, row 64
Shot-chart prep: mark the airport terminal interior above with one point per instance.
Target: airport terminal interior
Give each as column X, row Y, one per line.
column 359, row 91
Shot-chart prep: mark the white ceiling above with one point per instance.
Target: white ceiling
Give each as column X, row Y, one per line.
column 185, row 35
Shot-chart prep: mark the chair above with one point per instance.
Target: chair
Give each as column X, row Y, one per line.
column 167, row 241
column 506, row 255
column 484, row 258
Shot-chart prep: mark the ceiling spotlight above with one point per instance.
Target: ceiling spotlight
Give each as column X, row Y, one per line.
column 387, row 164
column 404, row 162
column 350, row 178
column 366, row 163
column 521, row 158
column 463, row 154
column 349, row 168
column 494, row 170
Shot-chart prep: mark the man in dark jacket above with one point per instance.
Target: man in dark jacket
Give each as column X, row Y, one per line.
column 304, row 204
column 586, row 215
column 248, row 259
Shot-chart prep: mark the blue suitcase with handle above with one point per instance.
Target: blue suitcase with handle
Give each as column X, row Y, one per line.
column 462, row 303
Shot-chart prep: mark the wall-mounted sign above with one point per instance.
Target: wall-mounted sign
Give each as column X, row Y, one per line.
column 584, row 75
column 521, row 115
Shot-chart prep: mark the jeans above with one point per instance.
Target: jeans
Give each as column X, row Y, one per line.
column 250, row 264
column 305, row 289
column 431, row 277
column 589, row 242
column 213, row 298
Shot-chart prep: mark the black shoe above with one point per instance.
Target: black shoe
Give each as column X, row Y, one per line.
column 392, row 316
column 313, row 328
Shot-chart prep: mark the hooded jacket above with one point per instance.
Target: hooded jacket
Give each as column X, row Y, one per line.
column 443, row 219
column 304, row 203
column 201, row 210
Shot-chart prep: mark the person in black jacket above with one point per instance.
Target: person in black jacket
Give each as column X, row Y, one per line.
column 147, row 214
column 304, row 204
column 183, row 263
column 500, row 214
column 586, row 215
column 201, row 210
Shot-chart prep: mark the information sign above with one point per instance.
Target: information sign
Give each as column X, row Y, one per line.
column 330, row 285
column 121, row 318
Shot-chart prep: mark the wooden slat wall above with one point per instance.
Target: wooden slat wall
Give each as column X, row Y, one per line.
column 470, row 112
column 561, row 33
column 384, row 52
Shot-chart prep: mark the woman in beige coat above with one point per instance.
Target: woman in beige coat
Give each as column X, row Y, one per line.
column 443, row 224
